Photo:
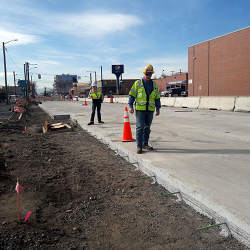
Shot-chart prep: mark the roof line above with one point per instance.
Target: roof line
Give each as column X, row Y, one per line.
column 220, row 36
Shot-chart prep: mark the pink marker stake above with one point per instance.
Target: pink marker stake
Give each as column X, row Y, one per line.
column 18, row 189
column 27, row 216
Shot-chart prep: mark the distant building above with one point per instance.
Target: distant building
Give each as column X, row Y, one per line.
column 220, row 66
column 81, row 89
column 176, row 80
column 64, row 83
column 109, row 86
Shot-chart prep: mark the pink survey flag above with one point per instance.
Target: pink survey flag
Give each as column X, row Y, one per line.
column 27, row 216
column 18, row 187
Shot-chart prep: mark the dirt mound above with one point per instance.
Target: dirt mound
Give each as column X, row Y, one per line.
column 83, row 196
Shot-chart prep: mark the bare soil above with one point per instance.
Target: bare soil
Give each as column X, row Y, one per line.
column 84, row 196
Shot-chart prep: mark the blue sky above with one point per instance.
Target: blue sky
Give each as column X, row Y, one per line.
column 77, row 36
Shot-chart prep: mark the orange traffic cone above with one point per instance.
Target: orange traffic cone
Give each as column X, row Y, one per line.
column 127, row 134
column 111, row 99
column 85, row 103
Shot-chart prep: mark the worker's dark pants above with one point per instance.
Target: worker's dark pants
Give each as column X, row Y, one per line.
column 143, row 123
column 94, row 106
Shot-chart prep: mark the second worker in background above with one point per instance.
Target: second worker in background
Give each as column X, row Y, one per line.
column 147, row 97
column 97, row 99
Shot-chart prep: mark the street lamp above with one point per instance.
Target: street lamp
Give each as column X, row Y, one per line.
column 5, row 70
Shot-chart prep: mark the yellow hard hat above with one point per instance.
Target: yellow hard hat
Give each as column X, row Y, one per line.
column 148, row 69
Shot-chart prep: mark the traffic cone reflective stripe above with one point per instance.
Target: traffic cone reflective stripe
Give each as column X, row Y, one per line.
column 127, row 134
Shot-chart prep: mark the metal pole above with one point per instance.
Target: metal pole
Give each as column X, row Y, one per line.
column 90, row 78
column 101, row 79
column 14, row 74
column 5, row 75
column 117, row 85
column 24, row 72
column 28, row 80
column 95, row 76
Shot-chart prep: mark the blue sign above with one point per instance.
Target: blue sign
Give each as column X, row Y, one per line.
column 21, row 83
column 117, row 69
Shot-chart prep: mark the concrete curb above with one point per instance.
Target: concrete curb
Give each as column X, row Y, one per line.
column 242, row 103
column 189, row 196
column 226, row 103
column 187, row 102
column 219, row 103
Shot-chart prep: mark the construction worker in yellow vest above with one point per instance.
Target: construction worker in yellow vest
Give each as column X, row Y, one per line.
column 146, row 95
column 97, row 99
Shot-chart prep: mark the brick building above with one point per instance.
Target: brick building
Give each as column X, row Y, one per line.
column 109, row 86
column 64, row 83
column 220, row 66
column 178, row 79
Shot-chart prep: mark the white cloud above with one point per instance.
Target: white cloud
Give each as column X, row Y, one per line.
column 8, row 74
column 97, row 24
column 22, row 38
column 47, row 62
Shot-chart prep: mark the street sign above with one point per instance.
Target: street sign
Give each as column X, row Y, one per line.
column 21, row 83
column 118, row 69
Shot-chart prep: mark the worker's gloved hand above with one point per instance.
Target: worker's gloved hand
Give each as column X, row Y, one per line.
column 131, row 110
column 157, row 112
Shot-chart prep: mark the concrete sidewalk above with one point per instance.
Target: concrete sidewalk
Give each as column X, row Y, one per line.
column 203, row 154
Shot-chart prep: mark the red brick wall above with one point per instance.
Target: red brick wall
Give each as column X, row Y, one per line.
column 221, row 66
column 175, row 78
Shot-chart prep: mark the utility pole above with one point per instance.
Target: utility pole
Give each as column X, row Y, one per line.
column 95, row 76
column 14, row 74
column 24, row 74
column 5, row 75
column 90, row 78
column 101, row 79
column 26, row 70
column 28, row 80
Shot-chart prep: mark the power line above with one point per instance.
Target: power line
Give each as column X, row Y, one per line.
column 9, row 56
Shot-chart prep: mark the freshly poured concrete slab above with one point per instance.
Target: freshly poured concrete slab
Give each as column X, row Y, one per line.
column 203, row 154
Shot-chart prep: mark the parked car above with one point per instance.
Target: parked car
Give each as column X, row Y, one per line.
column 163, row 93
column 184, row 93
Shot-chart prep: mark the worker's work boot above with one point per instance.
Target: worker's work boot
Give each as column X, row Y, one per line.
column 139, row 151
column 91, row 123
column 149, row 148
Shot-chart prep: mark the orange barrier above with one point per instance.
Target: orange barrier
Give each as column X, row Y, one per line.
column 127, row 134
column 111, row 99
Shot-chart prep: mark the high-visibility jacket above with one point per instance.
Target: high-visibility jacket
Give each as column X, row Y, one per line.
column 96, row 95
column 139, row 93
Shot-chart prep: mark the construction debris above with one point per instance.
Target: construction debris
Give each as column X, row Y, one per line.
column 55, row 126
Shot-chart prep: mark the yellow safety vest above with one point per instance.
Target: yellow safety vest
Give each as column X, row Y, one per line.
column 139, row 93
